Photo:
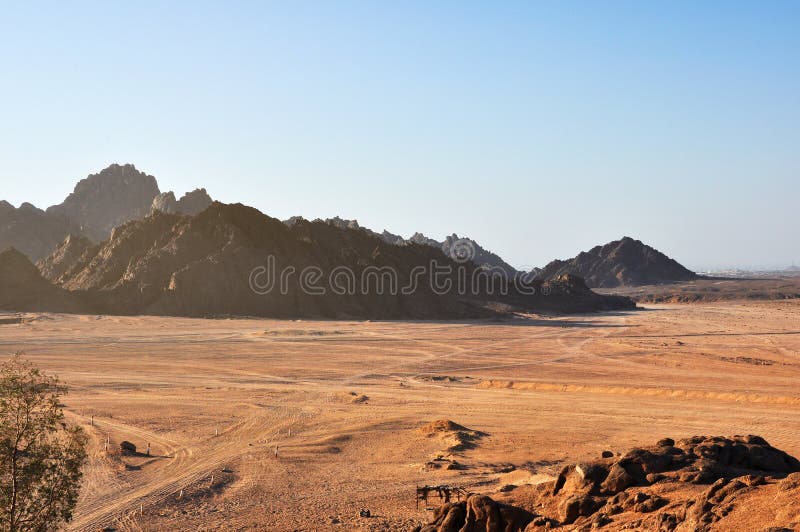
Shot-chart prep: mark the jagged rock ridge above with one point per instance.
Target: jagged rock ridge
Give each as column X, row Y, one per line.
column 190, row 203
column 453, row 246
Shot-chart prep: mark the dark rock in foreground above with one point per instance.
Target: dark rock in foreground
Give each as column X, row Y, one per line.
column 693, row 483
column 478, row 513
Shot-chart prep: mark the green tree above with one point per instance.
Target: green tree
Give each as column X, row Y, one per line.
column 40, row 455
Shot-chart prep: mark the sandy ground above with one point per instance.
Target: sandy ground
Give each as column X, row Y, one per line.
column 343, row 403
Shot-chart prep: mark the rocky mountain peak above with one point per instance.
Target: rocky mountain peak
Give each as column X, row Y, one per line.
column 623, row 262
column 107, row 199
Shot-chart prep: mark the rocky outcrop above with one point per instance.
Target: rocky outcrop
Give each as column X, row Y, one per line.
column 455, row 438
column 31, row 230
column 454, row 245
column 419, row 238
column 65, row 257
column 699, row 460
column 692, row 484
column 164, row 202
column 625, row 262
column 341, row 223
column 190, row 203
column 392, row 238
column 108, row 199
column 478, row 513
column 461, row 249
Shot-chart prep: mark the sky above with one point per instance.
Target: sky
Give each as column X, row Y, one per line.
column 539, row 129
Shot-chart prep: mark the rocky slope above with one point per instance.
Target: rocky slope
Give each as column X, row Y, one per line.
column 30, row 230
column 23, row 289
column 453, row 245
column 65, row 256
column 625, row 262
column 215, row 263
column 700, row 484
column 462, row 247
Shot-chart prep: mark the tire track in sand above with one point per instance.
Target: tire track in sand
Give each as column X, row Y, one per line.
column 158, row 481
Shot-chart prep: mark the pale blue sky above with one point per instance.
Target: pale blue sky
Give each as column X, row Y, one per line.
column 537, row 128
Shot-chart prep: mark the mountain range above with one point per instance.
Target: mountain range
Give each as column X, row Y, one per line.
column 624, row 262
column 117, row 244
column 97, row 205
column 203, row 265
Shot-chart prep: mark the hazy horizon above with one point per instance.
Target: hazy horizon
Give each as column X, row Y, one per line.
column 537, row 130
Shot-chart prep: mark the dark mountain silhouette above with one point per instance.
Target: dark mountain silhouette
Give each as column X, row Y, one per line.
column 30, row 230
column 202, row 265
column 22, row 288
column 625, row 262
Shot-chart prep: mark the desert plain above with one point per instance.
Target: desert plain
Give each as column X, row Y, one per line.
column 257, row 424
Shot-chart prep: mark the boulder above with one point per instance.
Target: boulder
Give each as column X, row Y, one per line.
column 127, row 447
column 578, row 506
column 478, row 513
column 618, row 479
